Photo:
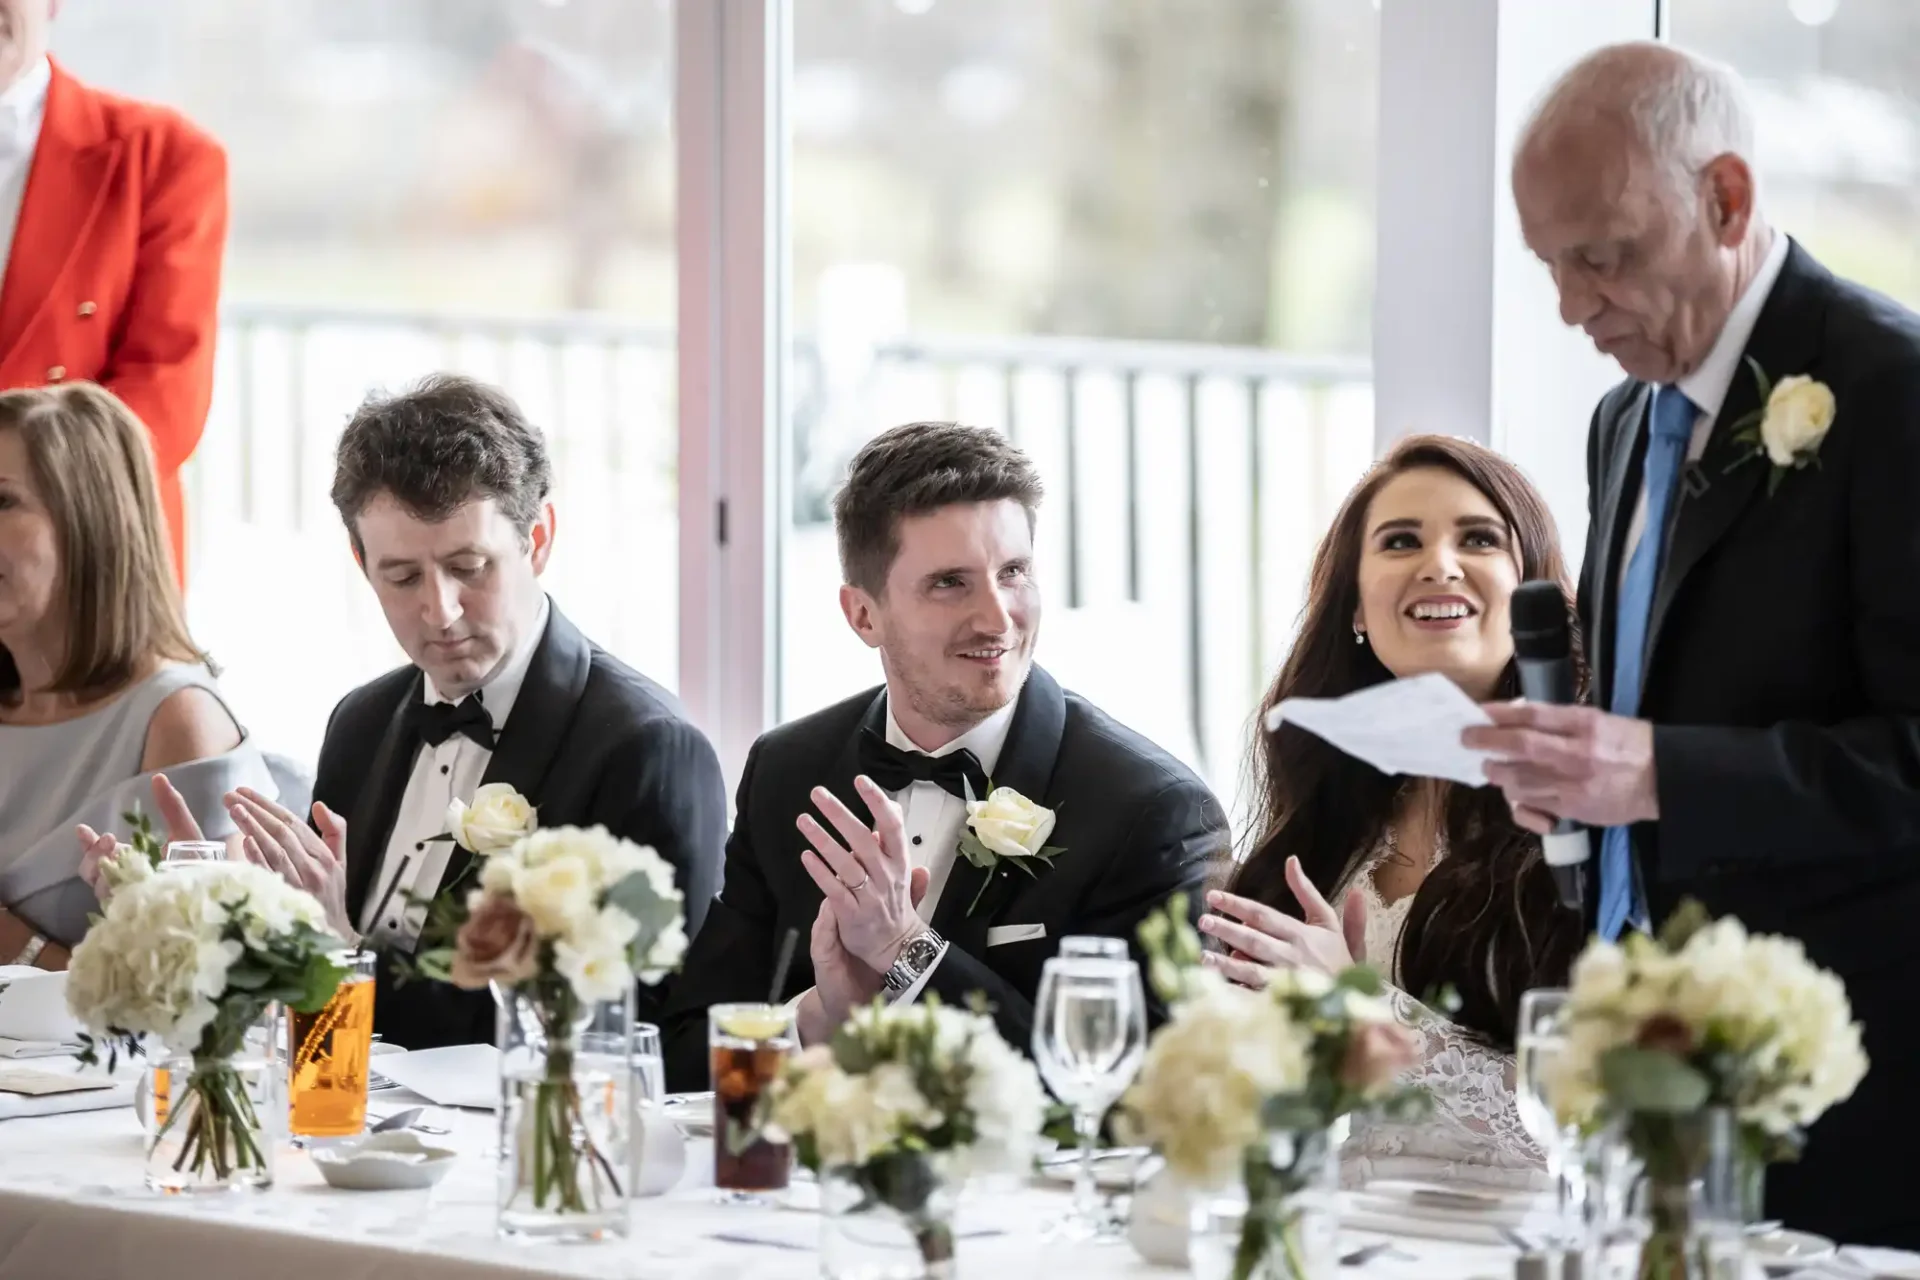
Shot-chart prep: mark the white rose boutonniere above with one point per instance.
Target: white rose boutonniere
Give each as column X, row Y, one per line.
column 1008, row 828
column 1795, row 415
column 498, row 816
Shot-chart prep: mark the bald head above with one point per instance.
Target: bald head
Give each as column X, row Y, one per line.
column 1634, row 184
column 1680, row 111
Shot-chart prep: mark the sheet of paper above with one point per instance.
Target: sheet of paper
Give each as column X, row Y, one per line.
column 34, row 1007
column 1409, row 727
column 459, row 1075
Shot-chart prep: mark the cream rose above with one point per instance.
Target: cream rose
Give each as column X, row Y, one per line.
column 1799, row 414
column 498, row 816
column 1010, row 825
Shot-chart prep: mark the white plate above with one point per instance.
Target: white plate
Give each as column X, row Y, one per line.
column 1460, row 1199
column 1113, row 1170
column 1782, row 1252
column 399, row 1161
column 1886, row 1264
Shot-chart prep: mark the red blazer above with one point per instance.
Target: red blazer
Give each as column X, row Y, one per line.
column 114, row 274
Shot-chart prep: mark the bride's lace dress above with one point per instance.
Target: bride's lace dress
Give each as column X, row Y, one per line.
column 1472, row 1133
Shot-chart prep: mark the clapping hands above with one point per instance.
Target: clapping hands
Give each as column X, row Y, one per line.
column 1261, row 939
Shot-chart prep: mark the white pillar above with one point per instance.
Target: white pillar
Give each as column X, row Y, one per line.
column 1467, row 332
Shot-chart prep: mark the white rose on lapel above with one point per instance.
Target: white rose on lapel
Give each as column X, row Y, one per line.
column 1009, row 824
column 1794, row 417
column 1798, row 415
column 498, row 816
column 1006, row 827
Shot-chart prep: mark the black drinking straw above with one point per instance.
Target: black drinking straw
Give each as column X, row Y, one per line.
column 780, row 966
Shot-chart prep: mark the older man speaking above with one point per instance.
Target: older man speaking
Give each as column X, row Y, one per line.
column 1751, row 590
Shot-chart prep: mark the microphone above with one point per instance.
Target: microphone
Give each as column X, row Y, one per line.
column 1543, row 648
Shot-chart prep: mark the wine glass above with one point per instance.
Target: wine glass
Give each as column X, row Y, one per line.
column 1539, row 1042
column 1088, row 945
column 1089, row 1037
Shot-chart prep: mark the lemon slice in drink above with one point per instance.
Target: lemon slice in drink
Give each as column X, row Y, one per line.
column 757, row 1022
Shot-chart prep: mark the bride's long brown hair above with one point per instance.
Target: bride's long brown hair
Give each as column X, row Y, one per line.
column 1486, row 921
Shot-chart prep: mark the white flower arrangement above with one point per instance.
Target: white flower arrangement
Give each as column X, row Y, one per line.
column 194, row 956
column 1788, row 429
column 1706, row 1016
column 571, row 904
column 920, row 1081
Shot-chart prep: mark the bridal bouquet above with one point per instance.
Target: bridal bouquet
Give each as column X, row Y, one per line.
column 898, row 1110
column 1706, row 1036
column 194, row 957
column 1248, row 1084
column 562, row 919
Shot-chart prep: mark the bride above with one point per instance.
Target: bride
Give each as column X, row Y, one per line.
column 1437, row 887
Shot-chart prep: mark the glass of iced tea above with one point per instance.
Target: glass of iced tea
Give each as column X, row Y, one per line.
column 748, row 1044
column 327, row 1056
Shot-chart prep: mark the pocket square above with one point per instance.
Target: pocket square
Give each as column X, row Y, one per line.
column 1000, row 935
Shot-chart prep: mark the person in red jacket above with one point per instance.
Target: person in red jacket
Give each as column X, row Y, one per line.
column 113, row 219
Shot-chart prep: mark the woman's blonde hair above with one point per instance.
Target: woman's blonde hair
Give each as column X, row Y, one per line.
column 93, row 469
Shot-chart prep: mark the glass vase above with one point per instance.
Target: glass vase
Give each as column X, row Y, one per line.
column 1281, row 1222
column 889, row 1219
column 565, row 1163
column 1691, row 1203
column 213, row 1119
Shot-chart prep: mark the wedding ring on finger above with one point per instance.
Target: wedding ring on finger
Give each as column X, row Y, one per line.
column 855, row 888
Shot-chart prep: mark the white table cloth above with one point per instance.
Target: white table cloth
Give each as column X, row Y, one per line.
column 72, row 1204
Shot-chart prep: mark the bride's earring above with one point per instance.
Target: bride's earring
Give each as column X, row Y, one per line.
column 1359, row 634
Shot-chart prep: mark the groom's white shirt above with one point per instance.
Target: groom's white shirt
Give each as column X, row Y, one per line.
column 1707, row 386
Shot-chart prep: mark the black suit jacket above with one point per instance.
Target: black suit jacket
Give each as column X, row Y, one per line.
column 1135, row 826
column 589, row 741
column 1782, row 675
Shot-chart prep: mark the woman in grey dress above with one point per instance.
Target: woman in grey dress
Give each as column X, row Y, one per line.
column 101, row 686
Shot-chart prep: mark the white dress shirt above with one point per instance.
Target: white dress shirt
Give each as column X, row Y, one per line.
column 935, row 818
column 440, row 774
column 1707, row 386
column 22, row 107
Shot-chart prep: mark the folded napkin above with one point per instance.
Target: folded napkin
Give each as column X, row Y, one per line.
column 1401, row 1214
column 17, row 1106
column 10, row 1048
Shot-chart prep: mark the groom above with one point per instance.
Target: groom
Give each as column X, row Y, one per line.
column 1754, row 627
column 850, row 822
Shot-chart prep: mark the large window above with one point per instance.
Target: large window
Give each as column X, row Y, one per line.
column 1137, row 237
column 417, row 185
column 1836, row 87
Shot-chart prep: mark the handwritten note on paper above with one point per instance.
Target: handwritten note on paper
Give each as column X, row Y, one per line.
column 1409, row 727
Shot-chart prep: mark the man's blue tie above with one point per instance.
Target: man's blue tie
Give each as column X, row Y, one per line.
column 1673, row 416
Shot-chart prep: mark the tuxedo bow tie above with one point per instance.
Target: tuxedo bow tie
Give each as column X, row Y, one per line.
column 894, row 769
column 435, row 722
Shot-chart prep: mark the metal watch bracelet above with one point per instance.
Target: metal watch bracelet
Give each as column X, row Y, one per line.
column 915, row 958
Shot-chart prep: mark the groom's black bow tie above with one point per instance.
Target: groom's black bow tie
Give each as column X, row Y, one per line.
column 435, row 722
column 893, row 769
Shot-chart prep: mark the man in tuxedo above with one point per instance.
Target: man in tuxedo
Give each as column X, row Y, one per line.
column 113, row 220
column 1754, row 623
column 935, row 527
column 444, row 494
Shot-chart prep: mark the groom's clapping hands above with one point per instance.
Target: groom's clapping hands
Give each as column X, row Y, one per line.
column 864, row 875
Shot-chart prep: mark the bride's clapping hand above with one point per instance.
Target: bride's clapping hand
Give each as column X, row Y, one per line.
column 1262, row 939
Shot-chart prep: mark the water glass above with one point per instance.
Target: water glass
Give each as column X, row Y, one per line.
column 1540, row 1040
column 1089, row 1037
column 185, row 852
column 1098, row 948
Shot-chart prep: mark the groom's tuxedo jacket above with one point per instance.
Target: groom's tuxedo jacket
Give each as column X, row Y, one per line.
column 1134, row 824
column 1783, row 679
column 589, row 741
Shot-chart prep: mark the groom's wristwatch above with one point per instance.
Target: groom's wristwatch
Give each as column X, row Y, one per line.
column 913, row 962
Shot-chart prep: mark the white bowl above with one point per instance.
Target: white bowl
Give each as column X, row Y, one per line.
column 398, row 1161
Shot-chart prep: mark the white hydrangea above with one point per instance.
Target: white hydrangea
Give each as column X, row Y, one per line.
column 156, row 962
